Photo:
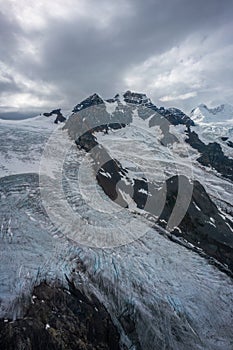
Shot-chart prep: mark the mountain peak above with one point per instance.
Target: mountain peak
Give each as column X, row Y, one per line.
column 135, row 97
column 174, row 115
column 92, row 100
column 205, row 115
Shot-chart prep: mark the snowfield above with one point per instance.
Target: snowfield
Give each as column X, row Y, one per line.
column 215, row 125
column 22, row 142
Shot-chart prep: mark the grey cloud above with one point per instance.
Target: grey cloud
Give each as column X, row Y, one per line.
column 9, row 32
column 9, row 85
column 80, row 57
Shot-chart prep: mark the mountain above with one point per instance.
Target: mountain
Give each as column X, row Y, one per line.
column 60, row 117
column 133, row 114
column 120, row 221
column 215, row 125
column 173, row 115
column 221, row 114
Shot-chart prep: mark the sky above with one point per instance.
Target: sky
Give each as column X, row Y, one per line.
column 56, row 53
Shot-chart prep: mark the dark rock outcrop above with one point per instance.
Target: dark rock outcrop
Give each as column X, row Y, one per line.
column 91, row 115
column 93, row 100
column 123, row 114
column 230, row 144
column 175, row 116
column 135, row 98
column 202, row 225
column 211, row 155
column 59, row 319
column 109, row 172
column 60, row 118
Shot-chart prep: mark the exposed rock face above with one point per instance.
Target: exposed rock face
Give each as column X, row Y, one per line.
column 60, row 319
column 86, row 141
column 123, row 114
column 135, row 98
column 230, row 144
column 211, row 155
column 202, row 225
column 109, row 173
column 60, row 118
column 93, row 100
column 91, row 115
column 175, row 116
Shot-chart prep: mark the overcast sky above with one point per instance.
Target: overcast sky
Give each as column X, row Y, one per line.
column 55, row 53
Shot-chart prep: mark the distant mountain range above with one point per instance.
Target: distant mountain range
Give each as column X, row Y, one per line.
column 204, row 115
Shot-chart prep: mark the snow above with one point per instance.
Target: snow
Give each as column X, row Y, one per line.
column 196, row 206
column 167, row 285
column 166, row 288
column 121, row 98
column 105, row 173
column 214, row 132
column 213, row 124
column 110, row 106
column 37, row 123
column 139, row 150
column 143, row 191
column 204, row 115
column 178, row 229
column 22, row 143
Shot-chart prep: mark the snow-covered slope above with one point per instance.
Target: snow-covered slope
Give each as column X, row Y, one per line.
column 22, row 143
column 169, row 294
column 36, row 123
column 160, row 294
column 215, row 125
column 204, row 115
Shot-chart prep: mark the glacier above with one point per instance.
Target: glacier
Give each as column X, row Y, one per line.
column 159, row 294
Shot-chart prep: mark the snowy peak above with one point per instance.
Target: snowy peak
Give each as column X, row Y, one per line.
column 204, row 115
column 92, row 100
column 123, row 102
column 136, row 98
column 126, row 97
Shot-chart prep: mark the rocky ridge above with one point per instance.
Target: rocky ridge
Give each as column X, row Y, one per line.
column 203, row 225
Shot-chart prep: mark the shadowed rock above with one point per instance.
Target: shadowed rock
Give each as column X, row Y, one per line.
column 60, row 319
column 211, row 155
column 60, row 118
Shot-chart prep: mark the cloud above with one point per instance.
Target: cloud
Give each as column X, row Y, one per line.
column 56, row 53
column 198, row 69
column 179, row 97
